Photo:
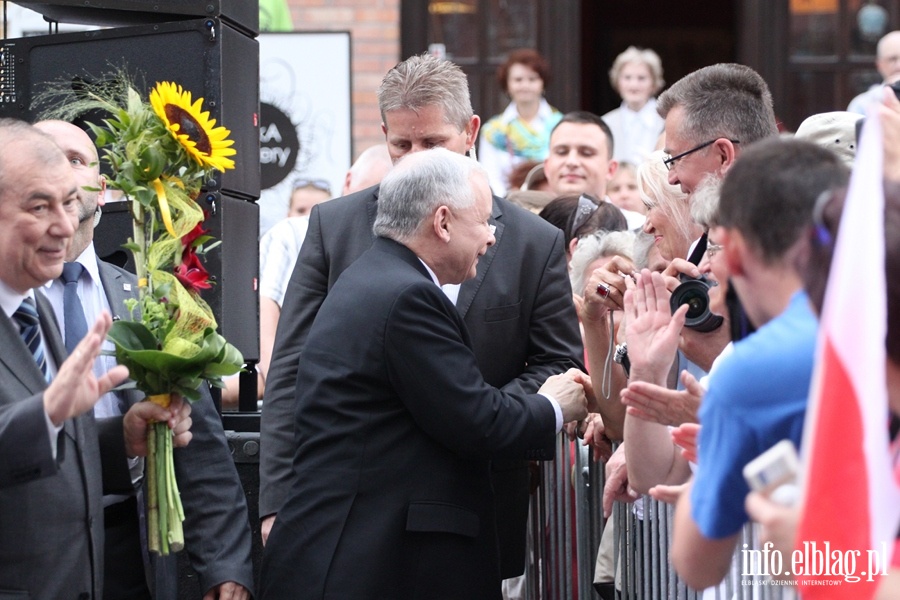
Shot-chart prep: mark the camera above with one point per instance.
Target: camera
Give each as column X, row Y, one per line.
column 695, row 293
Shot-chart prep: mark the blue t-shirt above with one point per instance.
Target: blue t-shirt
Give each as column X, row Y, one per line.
column 757, row 397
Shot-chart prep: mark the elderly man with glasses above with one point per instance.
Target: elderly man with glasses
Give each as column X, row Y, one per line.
column 710, row 115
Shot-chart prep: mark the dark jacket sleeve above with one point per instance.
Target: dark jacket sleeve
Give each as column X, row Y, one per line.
column 24, row 442
column 216, row 524
column 554, row 339
column 113, row 457
column 305, row 293
column 445, row 392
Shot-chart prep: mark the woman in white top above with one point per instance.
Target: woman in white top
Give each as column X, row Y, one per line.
column 522, row 131
column 637, row 76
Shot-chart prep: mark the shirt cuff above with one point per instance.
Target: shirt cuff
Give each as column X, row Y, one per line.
column 556, row 410
column 136, row 468
column 53, row 432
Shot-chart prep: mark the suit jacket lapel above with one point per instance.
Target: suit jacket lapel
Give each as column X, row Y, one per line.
column 118, row 287
column 470, row 287
column 372, row 210
column 54, row 344
column 114, row 286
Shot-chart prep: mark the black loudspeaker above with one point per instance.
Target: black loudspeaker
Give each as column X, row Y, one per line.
column 206, row 56
column 242, row 14
column 234, row 263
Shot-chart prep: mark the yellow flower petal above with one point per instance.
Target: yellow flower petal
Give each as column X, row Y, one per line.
column 205, row 143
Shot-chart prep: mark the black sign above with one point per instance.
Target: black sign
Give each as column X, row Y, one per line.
column 279, row 145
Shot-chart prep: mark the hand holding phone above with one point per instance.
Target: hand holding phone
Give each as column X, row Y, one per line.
column 774, row 473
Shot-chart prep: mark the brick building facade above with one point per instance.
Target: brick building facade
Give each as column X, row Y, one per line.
column 374, row 27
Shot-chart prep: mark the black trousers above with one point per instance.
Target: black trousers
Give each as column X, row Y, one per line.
column 123, row 570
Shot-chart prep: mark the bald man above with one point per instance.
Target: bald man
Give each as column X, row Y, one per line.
column 887, row 61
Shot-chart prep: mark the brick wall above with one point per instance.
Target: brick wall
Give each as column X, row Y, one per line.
column 374, row 27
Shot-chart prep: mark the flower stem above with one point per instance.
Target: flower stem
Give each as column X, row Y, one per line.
column 153, row 541
column 159, row 431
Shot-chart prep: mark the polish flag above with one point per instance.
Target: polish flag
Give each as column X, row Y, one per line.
column 851, row 504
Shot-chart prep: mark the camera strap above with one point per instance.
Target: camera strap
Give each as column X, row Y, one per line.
column 699, row 250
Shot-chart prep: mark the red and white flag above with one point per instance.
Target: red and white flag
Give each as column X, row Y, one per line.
column 851, row 504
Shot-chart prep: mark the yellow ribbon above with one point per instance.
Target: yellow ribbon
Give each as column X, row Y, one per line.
column 164, row 206
column 160, row 399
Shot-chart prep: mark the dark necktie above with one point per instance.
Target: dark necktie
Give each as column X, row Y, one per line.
column 73, row 310
column 29, row 328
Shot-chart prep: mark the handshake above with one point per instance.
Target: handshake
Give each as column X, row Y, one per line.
column 571, row 390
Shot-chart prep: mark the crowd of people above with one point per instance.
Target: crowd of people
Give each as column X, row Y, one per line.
column 423, row 338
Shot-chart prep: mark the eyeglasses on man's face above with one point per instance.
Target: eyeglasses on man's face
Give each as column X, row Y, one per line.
column 712, row 249
column 669, row 161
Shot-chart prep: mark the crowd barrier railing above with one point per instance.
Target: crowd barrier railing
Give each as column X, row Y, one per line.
column 566, row 525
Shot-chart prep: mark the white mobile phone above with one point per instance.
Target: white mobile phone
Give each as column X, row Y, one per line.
column 774, row 472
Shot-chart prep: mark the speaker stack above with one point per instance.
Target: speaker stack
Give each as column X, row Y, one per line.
column 208, row 47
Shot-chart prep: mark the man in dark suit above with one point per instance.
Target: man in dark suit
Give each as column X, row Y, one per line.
column 518, row 308
column 395, row 424
column 214, row 503
column 55, row 460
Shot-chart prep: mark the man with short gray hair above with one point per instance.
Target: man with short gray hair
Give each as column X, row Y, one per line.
column 395, row 425
column 710, row 115
column 518, row 310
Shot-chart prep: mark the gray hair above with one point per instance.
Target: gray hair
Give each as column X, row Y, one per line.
column 705, row 201
column 418, row 184
column 656, row 192
column 37, row 142
column 424, row 80
column 643, row 244
column 725, row 100
column 644, row 56
column 594, row 246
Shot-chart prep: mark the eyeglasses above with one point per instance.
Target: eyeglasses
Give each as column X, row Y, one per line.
column 669, row 161
column 712, row 249
column 586, row 207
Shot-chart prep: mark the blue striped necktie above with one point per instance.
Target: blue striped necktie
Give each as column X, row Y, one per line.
column 29, row 328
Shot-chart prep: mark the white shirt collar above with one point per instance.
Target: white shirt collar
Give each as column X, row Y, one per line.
column 430, row 272
column 451, row 290
column 88, row 260
column 10, row 299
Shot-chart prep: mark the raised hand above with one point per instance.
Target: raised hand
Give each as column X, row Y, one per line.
column 75, row 389
column 661, row 405
column 653, row 333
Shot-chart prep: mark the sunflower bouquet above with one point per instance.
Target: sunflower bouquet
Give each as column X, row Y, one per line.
column 160, row 153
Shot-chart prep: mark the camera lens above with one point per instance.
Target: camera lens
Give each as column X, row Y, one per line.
column 695, row 293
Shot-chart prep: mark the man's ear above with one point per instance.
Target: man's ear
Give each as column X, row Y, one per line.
column 726, row 152
column 101, row 195
column 610, row 173
column 734, row 250
column 472, row 131
column 441, row 223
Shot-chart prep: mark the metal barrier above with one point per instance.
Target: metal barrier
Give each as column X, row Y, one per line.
column 566, row 525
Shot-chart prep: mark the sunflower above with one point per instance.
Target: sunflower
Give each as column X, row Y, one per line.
column 191, row 127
